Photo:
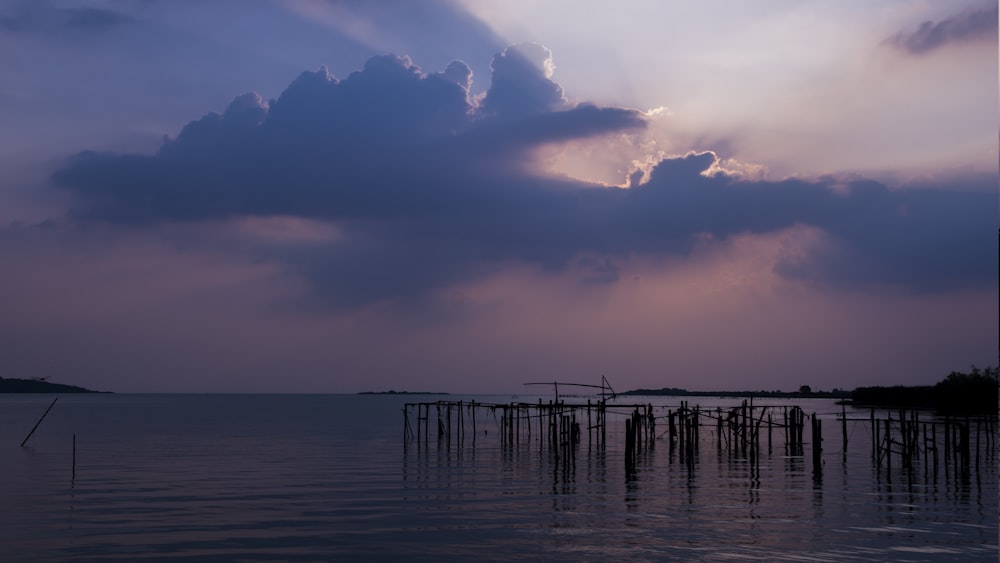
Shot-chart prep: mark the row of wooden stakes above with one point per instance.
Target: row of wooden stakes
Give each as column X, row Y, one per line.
column 740, row 430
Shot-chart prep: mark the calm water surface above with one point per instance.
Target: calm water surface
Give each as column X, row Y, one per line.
column 327, row 477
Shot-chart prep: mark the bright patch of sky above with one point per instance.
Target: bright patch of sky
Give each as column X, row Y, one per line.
column 800, row 87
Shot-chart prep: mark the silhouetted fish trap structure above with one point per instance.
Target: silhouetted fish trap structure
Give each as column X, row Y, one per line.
column 746, row 431
column 955, row 444
column 554, row 423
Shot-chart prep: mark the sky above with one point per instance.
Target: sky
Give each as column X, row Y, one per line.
column 456, row 195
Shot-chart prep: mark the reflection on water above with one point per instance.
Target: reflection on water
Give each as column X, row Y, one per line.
column 329, row 477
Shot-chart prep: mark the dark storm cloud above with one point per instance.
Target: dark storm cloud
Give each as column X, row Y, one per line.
column 931, row 237
column 386, row 142
column 927, row 237
column 969, row 25
column 429, row 187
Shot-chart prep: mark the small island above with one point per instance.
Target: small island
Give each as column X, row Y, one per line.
column 13, row 385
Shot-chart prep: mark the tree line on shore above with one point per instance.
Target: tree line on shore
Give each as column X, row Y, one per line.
column 975, row 392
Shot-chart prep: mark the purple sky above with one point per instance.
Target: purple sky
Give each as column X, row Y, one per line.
column 314, row 196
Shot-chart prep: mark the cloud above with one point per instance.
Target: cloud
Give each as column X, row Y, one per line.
column 386, row 139
column 969, row 25
column 402, row 26
column 429, row 188
column 41, row 16
column 522, row 83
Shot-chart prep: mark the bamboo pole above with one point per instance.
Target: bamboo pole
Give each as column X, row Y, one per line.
column 35, row 427
column 874, row 423
column 843, row 426
column 817, row 446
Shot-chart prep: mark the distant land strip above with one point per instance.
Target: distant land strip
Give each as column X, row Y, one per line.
column 13, row 385
column 976, row 392
column 675, row 392
column 392, row 392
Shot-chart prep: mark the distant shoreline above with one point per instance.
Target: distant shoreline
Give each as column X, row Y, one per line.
column 13, row 385
column 670, row 392
column 391, row 392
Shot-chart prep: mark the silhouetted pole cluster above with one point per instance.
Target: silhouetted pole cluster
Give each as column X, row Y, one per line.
column 556, row 422
column 597, row 423
column 911, row 441
column 900, row 437
column 794, row 426
column 640, row 435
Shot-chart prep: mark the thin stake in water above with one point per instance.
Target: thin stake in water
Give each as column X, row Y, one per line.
column 39, row 422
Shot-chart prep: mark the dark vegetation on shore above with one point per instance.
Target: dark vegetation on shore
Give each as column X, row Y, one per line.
column 11, row 385
column 959, row 393
column 975, row 392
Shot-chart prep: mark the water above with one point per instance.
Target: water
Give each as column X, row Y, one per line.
column 327, row 477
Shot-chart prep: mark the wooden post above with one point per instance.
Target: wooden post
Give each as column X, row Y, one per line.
column 793, row 429
column 73, row 474
column 671, row 427
column 927, row 455
column 527, row 418
column 876, row 445
column 589, row 427
column 770, row 425
column 517, row 429
column 743, row 428
column 964, row 444
column 934, row 447
column 697, row 424
column 576, row 430
column 512, row 422
column 843, row 426
column 947, row 440
column 541, row 427
column 979, row 424
column 604, row 423
column 418, row 423
column 651, row 425
column 628, row 445
column 875, row 453
column 904, row 440
column 718, row 428
column 35, row 427
column 888, row 443
column 787, row 429
column 817, row 445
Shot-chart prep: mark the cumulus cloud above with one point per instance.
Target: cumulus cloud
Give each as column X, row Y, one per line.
column 522, row 82
column 969, row 25
column 429, row 187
